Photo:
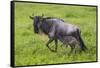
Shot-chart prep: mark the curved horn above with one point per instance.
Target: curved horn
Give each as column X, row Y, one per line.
column 31, row 17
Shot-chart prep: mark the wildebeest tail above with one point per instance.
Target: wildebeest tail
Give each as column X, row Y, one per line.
column 82, row 45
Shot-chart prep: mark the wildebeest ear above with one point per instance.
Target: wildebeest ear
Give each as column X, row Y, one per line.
column 31, row 17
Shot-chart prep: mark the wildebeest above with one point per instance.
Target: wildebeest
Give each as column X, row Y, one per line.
column 57, row 29
column 70, row 40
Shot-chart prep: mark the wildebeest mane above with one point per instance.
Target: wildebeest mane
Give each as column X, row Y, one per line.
column 52, row 18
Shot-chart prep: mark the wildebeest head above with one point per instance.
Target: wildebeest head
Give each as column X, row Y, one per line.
column 36, row 22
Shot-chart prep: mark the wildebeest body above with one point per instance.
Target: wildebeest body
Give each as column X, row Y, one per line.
column 58, row 26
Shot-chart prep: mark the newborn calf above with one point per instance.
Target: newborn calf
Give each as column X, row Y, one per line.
column 71, row 41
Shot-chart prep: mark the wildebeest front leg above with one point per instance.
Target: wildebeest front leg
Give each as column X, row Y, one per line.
column 56, row 43
column 50, row 40
column 51, row 36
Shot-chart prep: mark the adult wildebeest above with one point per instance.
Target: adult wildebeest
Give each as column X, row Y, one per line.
column 56, row 30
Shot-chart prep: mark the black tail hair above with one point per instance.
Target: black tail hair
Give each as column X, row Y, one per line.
column 82, row 45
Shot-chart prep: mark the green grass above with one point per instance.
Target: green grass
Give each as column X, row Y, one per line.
column 30, row 48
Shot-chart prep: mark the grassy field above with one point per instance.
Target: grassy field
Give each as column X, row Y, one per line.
column 30, row 48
